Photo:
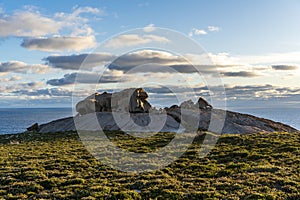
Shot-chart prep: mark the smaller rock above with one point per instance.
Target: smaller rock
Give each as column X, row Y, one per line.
column 203, row 104
column 187, row 104
column 33, row 128
column 14, row 142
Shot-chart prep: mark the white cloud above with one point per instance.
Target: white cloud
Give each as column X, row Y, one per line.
column 29, row 86
column 290, row 60
column 21, row 67
column 233, row 69
column 149, row 28
column 288, row 64
column 195, row 31
column 213, row 28
column 13, row 66
column 75, row 22
column 133, row 40
column 33, row 89
column 226, row 64
column 60, row 43
column 284, row 67
column 246, row 74
column 15, row 78
column 46, row 31
column 87, row 9
column 273, row 58
column 128, row 60
column 38, row 68
column 110, row 76
column 28, row 23
column 74, row 62
column 225, row 59
column 11, row 79
column 143, row 4
column 45, row 92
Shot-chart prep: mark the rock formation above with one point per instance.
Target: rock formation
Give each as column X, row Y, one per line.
column 133, row 100
column 188, row 105
column 175, row 118
column 95, row 103
column 175, row 110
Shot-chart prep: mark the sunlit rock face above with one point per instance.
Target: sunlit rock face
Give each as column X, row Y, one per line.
column 133, row 100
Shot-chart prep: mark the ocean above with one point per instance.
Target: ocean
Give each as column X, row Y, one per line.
column 289, row 116
column 16, row 120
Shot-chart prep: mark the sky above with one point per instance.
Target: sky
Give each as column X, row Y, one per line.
column 53, row 51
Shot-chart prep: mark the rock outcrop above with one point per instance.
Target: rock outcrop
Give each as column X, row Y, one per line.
column 133, row 100
column 33, row 128
column 134, row 111
column 235, row 123
column 60, row 125
column 203, row 104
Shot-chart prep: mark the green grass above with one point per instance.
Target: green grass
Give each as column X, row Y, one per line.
column 57, row 166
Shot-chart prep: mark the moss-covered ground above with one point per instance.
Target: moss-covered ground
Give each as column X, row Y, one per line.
column 57, row 166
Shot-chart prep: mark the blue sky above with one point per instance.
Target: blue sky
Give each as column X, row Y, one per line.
column 255, row 44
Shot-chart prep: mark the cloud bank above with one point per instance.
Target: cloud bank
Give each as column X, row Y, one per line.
column 284, row 67
column 86, row 78
column 60, row 43
column 61, row 31
column 134, row 40
column 73, row 62
column 239, row 74
column 28, row 23
column 21, row 67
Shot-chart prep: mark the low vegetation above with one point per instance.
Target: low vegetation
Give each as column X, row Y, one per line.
column 57, row 166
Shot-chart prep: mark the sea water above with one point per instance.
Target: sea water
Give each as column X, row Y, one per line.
column 16, row 120
column 289, row 116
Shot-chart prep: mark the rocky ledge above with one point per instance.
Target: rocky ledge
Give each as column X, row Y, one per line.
column 129, row 110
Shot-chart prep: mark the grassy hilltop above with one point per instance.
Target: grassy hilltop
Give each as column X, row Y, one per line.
column 57, row 166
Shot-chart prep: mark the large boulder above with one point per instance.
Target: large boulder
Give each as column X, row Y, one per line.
column 133, row 100
column 190, row 107
column 95, row 103
column 189, row 104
